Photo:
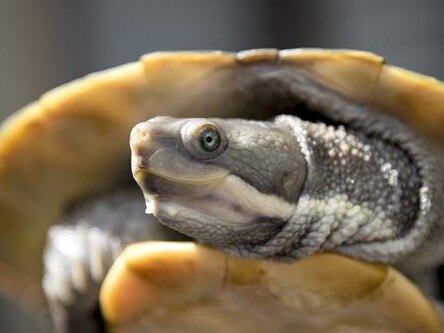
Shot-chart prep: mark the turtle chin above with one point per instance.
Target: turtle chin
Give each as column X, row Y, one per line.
column 180, row 204
column 210, row 214
column 243, row 239
column 238, row 238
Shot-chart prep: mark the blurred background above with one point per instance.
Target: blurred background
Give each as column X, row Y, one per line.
column 48, row 42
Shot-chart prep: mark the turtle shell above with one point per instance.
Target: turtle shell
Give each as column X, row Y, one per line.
column 184, row 287
column 73, row 141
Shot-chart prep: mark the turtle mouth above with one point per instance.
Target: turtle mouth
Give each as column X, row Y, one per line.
column 166, row 171
column 146, row 174
column 221, row 215
column 154, row 183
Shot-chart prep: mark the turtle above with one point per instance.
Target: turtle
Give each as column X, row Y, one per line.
column 65, row 158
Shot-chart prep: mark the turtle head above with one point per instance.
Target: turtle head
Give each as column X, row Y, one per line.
column 231, row 183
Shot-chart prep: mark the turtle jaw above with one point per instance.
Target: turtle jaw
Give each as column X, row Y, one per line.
column 190, row 208
column 224, row 212
column 162, row 188
column 165, row 172
column 155, row 184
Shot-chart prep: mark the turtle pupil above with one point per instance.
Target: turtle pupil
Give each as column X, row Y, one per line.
column 209, row 139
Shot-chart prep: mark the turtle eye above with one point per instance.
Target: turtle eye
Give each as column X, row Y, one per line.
column 203, row 139
column 209, row 138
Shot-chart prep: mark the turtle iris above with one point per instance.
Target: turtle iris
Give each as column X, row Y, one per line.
column 209, row 139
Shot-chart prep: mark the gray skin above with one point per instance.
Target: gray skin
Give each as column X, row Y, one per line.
column 348, row 180
column 283, row 189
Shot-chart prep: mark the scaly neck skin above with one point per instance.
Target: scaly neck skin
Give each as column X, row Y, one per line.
column 358, row 190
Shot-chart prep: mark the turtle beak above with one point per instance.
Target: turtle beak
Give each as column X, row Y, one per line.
column 144, row 142
column 148, row 137
column 143, row 145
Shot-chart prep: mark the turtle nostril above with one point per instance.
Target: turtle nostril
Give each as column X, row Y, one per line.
column 138, row 132
column 148, row 130
column 142, row 138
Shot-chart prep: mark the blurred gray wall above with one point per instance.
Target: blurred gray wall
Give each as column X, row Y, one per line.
column 44, row 43
column 48, row 42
